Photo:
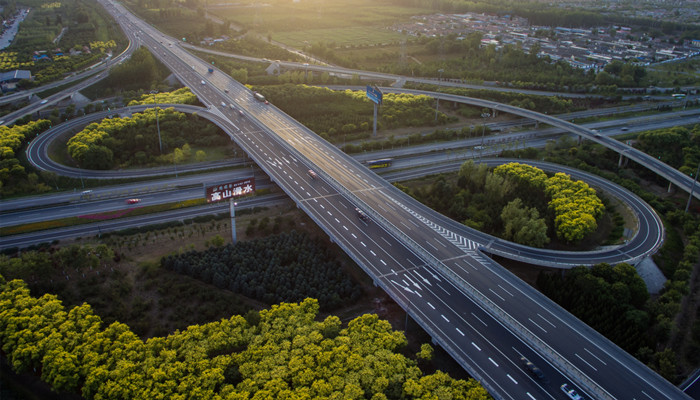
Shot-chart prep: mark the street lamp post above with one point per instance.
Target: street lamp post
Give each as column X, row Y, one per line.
column 160, row 142
column 232, row 210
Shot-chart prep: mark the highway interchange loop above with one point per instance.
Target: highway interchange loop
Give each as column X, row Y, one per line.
column 485, row 318
column 647, row 238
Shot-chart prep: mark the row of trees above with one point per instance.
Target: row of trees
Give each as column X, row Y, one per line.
column 179, row 96
column 678, row 146
column 13, row 176
column 575, row 205
column 674, row 343
column 516, row 202
column 285, row 267
column 280, row 352
column 333, row 113
column 614, row 301
column 142, row 70
column 544, row 104
column 133, row 140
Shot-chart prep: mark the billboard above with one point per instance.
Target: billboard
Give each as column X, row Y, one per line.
column 374, row 94
column 225, row 191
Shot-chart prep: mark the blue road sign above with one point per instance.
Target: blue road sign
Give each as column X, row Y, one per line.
column 374, row 94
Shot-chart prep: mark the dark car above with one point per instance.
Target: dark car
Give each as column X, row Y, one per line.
column 532, row 368
column 361, row 214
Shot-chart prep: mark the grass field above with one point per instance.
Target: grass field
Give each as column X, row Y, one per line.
column 306, row 16
column 347, row 36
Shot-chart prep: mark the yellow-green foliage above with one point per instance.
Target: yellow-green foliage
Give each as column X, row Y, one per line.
column 97, row 134
column 102, row 46
column 576, row 205
column 8, row 61
column 280, row 353
column 522, row 173
column 179, row 96
column 55, row 4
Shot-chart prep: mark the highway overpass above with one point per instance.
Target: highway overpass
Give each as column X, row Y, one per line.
column 481, row 314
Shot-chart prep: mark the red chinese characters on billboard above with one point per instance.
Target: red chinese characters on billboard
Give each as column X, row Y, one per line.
column 225, row 191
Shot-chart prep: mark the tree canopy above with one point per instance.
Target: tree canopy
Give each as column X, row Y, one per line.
column 284, row 267
column 281, row 352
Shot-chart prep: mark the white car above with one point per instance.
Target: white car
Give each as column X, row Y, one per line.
column 204, row 83
column 223, row 104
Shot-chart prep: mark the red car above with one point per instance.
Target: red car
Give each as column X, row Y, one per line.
column 132, row 201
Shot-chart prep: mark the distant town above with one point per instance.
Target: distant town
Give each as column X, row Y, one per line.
column 589, row 48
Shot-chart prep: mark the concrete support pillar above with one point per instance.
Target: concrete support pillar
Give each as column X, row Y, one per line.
column 493, row 113
column 670, row 187
column 580, row 139
column 620, row 161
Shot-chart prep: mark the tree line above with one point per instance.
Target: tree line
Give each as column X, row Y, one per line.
column 678, row 146
column 280, row 352
column 179, row 96
column 279, row 268
column 516, row 202
column 13, row 176
column 575, row 206
column 334, row 114
column 133, row 141
column 674, row 331
column 614, row 301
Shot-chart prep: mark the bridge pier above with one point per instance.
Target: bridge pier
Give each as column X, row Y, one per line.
column 580, row 139
column 670, row 187
column 493, row 113
column 620, row 161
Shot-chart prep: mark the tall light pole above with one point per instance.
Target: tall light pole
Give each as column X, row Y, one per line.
column 232, row 212
column 160, row 142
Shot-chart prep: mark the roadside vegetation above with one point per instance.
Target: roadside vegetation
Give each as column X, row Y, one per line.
column 130, row 80
column 76, row 352
column 672, row 345
column 133, row 141
column 54, row 30
column 14, row 177
column 285, row 267
column 347, row 115
column 514, row 201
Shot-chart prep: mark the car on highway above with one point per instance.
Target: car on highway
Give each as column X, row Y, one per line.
column 624, row 129
column 361, row 214
column 532, row 368
column 226, row 90
column 44, row 101
column 241, row 113
column 132, row 201
column 223, row 104
column 312, row 174
column 570, row 392
column 204, row 83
